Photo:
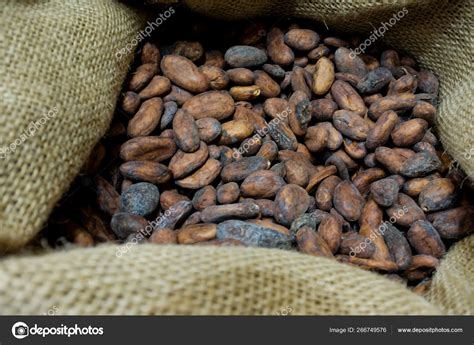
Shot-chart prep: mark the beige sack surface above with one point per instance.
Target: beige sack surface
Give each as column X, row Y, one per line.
column 62, row 54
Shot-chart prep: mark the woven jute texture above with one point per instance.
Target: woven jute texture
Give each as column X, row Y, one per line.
column 190, row 280
column 58, row 58
column 63, row 56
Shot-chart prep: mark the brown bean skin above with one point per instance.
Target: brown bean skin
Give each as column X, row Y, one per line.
column 147, row 171
column 295, row 173
column 214, row 58
column 220, row 213
column 424, row 238
column 330, row 230
column 414, row 186
column 323, row 76
column 380, row 133
column 316, row 138
column 170, row 197
column 216, row 104
column 228, row 193
column 424, row 110
column 130, row 103
column 409, row 133
column 148, row 148
column 406, row 83
column 390, row 159
column 277, row 50
column 241, row 76
column 347, row 98
column 184, row 73
column 163, row 236
column 268, row 150
column 300, row 114
column 108, row 199
column 370, row 227
column 354, row 244
column 384, row 191
column 348, row 201
column 398, row 246
column 405, row 211
column 364, row 179
column 157, row 87
column 437, row 195
column 150, row 54
column 124, row 224
column 186, row 133
column 178, row 95
column 262, row 184
column 196, row 233
column 454, row 223
column 147, row 118
column 245, row 93
column 235, row 131
column 182, row 164
column 311, row 243
column 299, row 81
column 420, row 164
column 350, row 124
column 290, row 202
column 142, row 76
column 325, row 192
column 216, row 77
column 399, row 102
column 191, row 50
column 209, row 128
column 203, row 176
column 302, row 39
column 323, row 109
column 348, row 64
column 427, row 82
column 204, row 197
column 268, row 87
column 239, row 170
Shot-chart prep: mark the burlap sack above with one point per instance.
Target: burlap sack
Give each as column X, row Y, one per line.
column 63, row 55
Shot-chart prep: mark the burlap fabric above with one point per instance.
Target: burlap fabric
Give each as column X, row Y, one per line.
column 62, row 55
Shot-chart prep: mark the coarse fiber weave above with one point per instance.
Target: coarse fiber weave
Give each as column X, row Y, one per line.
column 62, row 54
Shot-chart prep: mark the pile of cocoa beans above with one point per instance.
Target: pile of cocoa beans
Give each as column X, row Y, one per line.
column 287, row 139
